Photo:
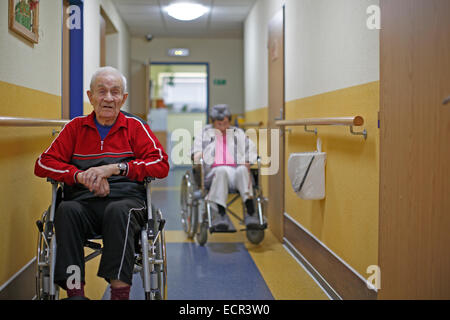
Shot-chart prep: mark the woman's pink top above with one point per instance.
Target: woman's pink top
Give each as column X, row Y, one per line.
column 223, row 157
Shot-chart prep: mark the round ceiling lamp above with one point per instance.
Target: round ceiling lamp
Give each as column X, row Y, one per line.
column 186, row 11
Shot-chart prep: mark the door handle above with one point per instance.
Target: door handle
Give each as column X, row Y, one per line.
column 446, row 101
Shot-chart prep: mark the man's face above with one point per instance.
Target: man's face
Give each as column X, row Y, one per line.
column 107, row 97
column 221, row 125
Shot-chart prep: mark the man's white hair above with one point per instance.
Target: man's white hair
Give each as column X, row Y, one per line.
column 109, row 70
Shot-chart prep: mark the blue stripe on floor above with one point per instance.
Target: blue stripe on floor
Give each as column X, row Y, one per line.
column 217, row 271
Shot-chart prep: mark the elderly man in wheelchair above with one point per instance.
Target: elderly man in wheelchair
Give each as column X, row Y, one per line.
column 223, row 156
column 104, row 161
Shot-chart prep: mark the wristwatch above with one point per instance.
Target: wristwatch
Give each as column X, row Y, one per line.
column 123, row 168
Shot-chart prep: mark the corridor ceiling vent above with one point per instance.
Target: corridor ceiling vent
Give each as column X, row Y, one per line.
column 185, row 11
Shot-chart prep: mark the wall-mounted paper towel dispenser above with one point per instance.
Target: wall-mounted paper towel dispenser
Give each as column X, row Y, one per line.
column 306, row 171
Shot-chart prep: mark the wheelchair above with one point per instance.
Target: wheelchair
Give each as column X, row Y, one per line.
column 196, row 214
column 150, row 256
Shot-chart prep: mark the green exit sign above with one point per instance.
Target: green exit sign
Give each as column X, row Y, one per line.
column 220, row 82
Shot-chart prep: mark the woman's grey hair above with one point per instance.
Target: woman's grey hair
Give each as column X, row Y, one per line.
column 220, row 112
column 109, row 70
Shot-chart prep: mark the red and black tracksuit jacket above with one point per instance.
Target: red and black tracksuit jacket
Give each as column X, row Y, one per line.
column 79, row 147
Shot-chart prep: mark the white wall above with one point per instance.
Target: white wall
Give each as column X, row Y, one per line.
column 122, row 37
column 225, row 58
column 256, row 54
column 112, row 49
column 35, row 66
column 328, row 47
column 120, row 58
column 18, row 57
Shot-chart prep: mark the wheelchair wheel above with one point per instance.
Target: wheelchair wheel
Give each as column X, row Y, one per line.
column 160, row 270
column 189, row 207
column 161, row 294
column 202, row 235
column 153, row 263
column 255, row 236
column 43, row 262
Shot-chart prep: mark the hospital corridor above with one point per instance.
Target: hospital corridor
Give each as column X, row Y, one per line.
column 225, row 155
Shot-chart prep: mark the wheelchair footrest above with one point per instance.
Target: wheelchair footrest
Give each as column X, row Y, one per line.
column 93, row 245
column 215, row 230
column 256, row 227
column 231, row 228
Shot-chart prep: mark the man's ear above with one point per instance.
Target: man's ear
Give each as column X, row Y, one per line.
column 125, row 96
column 89, row 94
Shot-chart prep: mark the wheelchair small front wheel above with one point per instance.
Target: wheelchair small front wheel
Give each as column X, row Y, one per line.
column 202, row 236
column 255, row 236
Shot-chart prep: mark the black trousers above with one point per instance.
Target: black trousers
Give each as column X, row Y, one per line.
column 118, row 221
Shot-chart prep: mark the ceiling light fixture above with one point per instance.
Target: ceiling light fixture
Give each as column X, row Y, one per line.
column 186, row 11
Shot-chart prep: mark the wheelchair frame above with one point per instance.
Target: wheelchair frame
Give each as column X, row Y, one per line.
column 197, row 225
column 150, row 261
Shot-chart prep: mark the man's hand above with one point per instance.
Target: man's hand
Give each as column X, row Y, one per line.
column 95, row 179
column 103, row 190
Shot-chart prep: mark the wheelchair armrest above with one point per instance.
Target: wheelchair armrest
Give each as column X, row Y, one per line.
column 149, row 179
column 202, row 174
column 162, row 223
column 52, row 181
column 201, row 166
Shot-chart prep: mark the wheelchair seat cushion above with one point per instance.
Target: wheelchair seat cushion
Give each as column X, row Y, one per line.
column 95, row 237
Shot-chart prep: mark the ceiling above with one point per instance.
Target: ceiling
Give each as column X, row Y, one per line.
column 225, row 18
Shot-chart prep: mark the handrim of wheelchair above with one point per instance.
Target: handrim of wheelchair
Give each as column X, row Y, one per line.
column 150, row 255
column 197, row 213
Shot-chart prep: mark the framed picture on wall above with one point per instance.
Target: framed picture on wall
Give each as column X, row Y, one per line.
column 24, row 18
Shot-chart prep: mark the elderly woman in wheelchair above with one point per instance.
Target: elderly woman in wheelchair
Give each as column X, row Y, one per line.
column 103, row 161
column 223, row 157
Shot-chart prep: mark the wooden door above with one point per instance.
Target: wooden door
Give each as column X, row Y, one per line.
column 147, row 82
column 102, row 41
column 414, row 230
column 275, row 210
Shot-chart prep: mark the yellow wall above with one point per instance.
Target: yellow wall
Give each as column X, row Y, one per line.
column 87, row 108
column 333, row 74
column 23, row 196
column 346, row 221
column 30, row 86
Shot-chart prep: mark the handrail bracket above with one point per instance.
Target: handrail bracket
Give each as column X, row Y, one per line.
column 361, row 133
column 312, row 131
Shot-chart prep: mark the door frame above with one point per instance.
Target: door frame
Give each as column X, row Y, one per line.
column 276, row 220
